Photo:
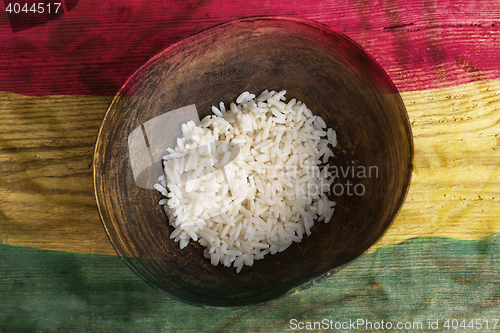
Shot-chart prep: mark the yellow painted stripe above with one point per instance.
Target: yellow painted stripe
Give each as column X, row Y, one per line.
column 455, row 189
column 46, row 146
column 46, row 190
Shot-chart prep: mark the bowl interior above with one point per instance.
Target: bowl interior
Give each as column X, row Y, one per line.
column 334, row 77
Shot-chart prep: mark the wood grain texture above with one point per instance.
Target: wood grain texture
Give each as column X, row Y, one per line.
column 46, row 142
column 456, row 180
column 46, row 148
column 95, row 47
column 51, row 291
column 444, row 56
column 46, row 172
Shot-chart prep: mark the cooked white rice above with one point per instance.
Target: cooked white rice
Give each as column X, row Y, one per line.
column 264, row 199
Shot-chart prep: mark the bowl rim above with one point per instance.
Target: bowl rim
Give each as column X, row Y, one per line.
column 323, row 28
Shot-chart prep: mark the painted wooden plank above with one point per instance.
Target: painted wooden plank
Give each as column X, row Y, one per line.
column 419, row 281
column 46, row 149
column 456, row 176
column 46, row 177
column 95, row 47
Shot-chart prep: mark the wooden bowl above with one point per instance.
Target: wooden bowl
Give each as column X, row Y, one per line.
column 322, row 68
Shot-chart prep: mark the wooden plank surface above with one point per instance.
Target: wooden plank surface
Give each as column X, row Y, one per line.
column 46, row 149
column 57, row 80
column 413, row 282
column 94, row 48
column 456, row 179
column 46, row 168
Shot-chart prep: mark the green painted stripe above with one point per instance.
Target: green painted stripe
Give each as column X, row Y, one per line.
column 418, row 280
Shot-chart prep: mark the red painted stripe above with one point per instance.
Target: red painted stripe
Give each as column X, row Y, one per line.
column 92, row 49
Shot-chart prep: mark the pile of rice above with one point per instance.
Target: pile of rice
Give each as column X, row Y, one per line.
column 263, row 200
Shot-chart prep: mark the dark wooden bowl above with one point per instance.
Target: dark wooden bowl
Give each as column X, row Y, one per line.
column 322, row 68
